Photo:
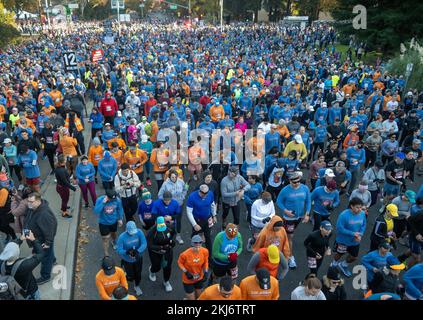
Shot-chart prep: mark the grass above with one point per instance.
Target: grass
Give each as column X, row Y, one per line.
column 369, row 59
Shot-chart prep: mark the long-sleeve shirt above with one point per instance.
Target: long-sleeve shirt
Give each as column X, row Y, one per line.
column 299, row 294
column 413, row 279
column 389, row 148
column 356, row 158
column 63, row 179
column 85, row 172
column 177, row 189
column 366, row 197
column 260, row 211
column 347, row 225
column 195, row 263
column 323, row 199
column 256, row 262
column 200, row 208
column 296, row 200
column 106, row 284
column 371, row 176
column 110, row 212
column 161, row 209
column 127, row 242
column 29, row 162
column 316, row 243
column 374, row 260
column 272, row 140
column 229, row 188
column 107, row 167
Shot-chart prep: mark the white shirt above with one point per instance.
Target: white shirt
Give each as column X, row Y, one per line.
column 260, row 211
column 265, row 127
column 387, row 126
column 299, row 294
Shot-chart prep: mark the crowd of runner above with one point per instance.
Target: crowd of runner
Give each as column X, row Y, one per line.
column 332, row 133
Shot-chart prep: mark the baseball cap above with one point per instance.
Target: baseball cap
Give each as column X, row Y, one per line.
column 393, row 263
column 417, row 141
column 233, row 169
column 263, row 277
column 11, row 252
column 107, row 124
column 400, row 155
column 111, row 194
column 144, row 138
column 326, row 225
column 392, row 209
column 196, row 239
column 411, row 196
column 295, row 176
column 298, row 138
column 274, row 126
column 385, row 245
column 131, row 228
column 160, row 224
column 119, row 113
column 144, row 118
column 7, row 140
column 333, row 274
column 273, row 254
column 329, row 173
column 108, row 266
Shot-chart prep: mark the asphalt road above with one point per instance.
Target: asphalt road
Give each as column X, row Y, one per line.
column 91, row 254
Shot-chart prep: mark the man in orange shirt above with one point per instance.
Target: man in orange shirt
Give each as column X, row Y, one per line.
column 136, row 158
column 116, row 153
column 194, row 263
column 109, row 278
column 261, row 286
column 225, row 290
column 95, row 154
column 216, row 113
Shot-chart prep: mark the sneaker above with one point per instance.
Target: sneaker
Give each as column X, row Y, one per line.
column 250, row 245
column 151, row 276
column 42, row 280
column 96, row 180
column 344, row 270
column 148, row 182
column 113, row 242
column 167, row 286
column 52, row 172
column 382, row 209
column 179, row 239
column 87, row 205
column 66, row 215
column 138, row 291
column 403, row 241
column 291, row 263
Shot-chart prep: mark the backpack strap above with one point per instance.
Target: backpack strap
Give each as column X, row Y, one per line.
column 16, row 266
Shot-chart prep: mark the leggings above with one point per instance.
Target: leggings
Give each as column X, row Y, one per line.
column 235, row 212
column 130, row 206
column 161, row 261
column 133, row 270
column 90, row 186
column 50, row 155
column 17, row 170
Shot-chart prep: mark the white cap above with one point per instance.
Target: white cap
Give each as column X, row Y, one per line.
column 7, row 140
column 324, row 104
column 144, row 138
column 410, row 93
column 329, row 173
column 298, row 138
column 119, row 113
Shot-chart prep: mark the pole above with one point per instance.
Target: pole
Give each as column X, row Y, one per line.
column 48, row 15
column 189, row 11
column 221, row 15
column 118, row 15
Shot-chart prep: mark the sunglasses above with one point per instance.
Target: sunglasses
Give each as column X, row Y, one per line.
column 295, row 182
column 196, row 243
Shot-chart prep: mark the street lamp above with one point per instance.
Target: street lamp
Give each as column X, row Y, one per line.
column 221, row 15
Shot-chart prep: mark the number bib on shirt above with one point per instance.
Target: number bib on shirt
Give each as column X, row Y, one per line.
column 341, row 248
column 312, row 262
column 147, row 216
column 210, row 221
column 234, row 272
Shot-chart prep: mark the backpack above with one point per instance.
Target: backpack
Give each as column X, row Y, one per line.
column 9, row 287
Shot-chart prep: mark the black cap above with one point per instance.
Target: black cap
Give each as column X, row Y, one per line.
column 263, row 277
column 333, row 274
column 379, row 164
column 111, row 194
column 167, row 195
column 278, row 224
column 108, row 266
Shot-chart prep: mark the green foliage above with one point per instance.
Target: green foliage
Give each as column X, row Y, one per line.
column 398, row 65
column 388, row 22
column 9, row 35
column 17, row 6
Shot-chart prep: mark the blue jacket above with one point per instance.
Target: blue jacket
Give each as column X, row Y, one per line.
column 374, row 260
column 294, row 200
column 253, row 193
column 106, row 136
column 413, row 280
column 322, row 199
column 347, row 225
column 107, row 167
column 201, row 207
column 97, row 120
column 120, row 120
column 272, row 140
column 126, row 242
column 109, row 213
column 161, row 209
column 83, row 171
column 356, row 158
column 320, row 134
column 26, row 162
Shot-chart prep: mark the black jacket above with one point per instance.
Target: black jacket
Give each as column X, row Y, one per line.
column 157, row 241
column 42, row 222
column 31, row 143
column 416, row 224
column 24, row 276
column 338, row 295
column 380, row 229
column 63, row 179
column 383, row 282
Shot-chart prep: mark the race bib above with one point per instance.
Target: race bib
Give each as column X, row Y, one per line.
column 234, row 272
column 341, row 248
column 398, row 175
column 97, row 157
column 312, row 262
column 109, row 209
column 290, row 228
column 147, row 216
column 49, row 140
column 196, row 276
column 108, row 108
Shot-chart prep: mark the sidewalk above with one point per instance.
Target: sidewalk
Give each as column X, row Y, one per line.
column 65, row 246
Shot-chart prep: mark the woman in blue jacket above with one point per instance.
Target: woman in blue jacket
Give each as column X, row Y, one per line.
column 96, row 119
column 130, row 246
column 85, row 173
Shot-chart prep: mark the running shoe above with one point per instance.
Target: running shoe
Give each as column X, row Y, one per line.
column 345, row 270
column 179, row 239
column 151, row 276
column 291, row 263
column 167, row 286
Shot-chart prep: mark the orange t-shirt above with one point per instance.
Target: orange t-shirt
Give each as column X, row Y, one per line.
column 106, row 284
column 140, row 158
column 118, row 157
column 212, row 293
column 121, row 143
column 68, row 145
column 95, row 154
column 162, row 165
column 250, row 289
column 57, row 97
column 195, row 263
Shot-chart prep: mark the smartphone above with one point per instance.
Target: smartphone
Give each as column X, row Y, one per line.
column 26, row 232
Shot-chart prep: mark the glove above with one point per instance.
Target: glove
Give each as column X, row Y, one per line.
column 189, row 275
column 232, row 257
column 329, row 207
column 265, row 220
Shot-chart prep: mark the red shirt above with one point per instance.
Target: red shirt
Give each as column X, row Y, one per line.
column 108, row 108
column 148, row 105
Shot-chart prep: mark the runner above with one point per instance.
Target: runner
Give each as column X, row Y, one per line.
column 261, row 286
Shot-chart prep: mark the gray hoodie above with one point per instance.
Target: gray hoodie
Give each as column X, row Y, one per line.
column 177, row 189
column 229, row 188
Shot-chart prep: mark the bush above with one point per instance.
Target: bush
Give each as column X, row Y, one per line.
column 9, row 35
column 398, row 66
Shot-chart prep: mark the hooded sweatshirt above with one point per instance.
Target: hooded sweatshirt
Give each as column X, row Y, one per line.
column 223, row 246
column 126, row 242
column 110, row 212
column 177, row 189
column 85, row 171
column 107, row 167
column 121, row 184
column 268, row 236
column 347, row 225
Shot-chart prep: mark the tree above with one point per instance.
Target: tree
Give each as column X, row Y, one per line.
column 388, row 22
column 7, row 27
column 17, row 6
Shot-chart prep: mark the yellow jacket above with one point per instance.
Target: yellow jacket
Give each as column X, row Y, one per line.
column 299, row 147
